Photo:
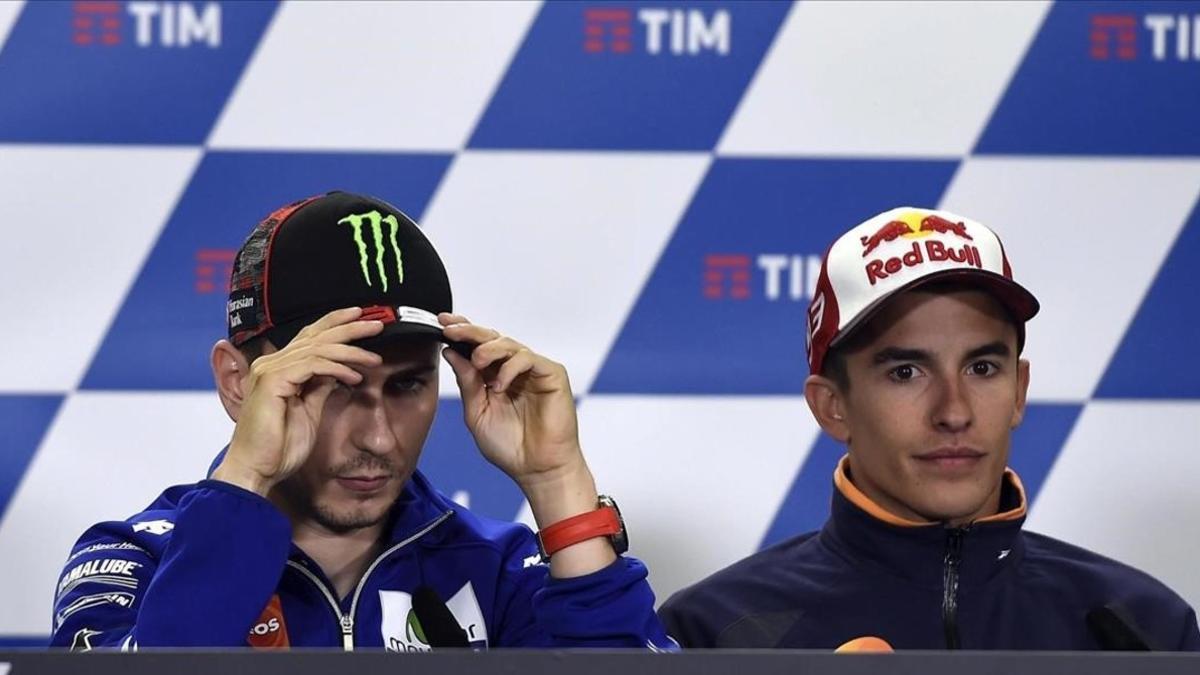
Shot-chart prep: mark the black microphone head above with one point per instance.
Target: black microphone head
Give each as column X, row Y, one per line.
column 441, row 628
column 1115, row 630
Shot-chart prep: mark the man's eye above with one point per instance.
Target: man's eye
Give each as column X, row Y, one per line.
column 984, row 368
column 903, row 373
column 406, row 385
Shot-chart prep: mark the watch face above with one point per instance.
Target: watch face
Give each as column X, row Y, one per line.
column 620, row 540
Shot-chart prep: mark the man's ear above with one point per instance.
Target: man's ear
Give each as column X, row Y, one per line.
column 1022, row 392
column 230, row 370
column 826, row 401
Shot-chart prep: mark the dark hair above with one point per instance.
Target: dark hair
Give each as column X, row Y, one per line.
column 254, row 348
column 835, row 369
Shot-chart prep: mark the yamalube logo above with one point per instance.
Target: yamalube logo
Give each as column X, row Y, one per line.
column 375, row 222
column 402, row 630
column 109, row 572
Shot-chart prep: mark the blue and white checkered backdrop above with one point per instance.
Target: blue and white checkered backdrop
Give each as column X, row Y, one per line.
column 641, row 191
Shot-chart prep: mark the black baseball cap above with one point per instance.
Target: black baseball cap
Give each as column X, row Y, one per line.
column 331, row 251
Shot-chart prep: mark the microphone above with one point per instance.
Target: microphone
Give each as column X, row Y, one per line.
column 1115, row 631
column 867, row 643
column 441, row 628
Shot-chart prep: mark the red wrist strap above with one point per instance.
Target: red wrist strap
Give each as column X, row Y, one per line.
column 602, row 522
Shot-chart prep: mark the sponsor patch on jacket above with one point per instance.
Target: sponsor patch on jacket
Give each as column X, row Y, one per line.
column 402, row 631
column 119, row 598
column 112, row 546
column 270, row 630
column 82, row 642
column 109, row 571
column 159, row 527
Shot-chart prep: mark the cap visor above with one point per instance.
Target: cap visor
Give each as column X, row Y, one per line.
column 282, row 335
column 410, row 329
column 1013, row 296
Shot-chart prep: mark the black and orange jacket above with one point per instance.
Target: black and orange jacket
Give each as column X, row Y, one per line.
column 989, row 585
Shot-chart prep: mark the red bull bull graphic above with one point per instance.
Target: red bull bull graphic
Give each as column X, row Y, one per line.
column 904, row 227
column 940, row 225
column 890, row 232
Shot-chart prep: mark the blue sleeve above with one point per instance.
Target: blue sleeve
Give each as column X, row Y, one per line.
column 100, row 588
column 226, row 553
column 612, row 607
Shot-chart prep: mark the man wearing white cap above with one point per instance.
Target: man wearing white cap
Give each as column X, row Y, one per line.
column 914, row 339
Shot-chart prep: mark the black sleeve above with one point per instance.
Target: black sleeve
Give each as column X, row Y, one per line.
column 686, row 622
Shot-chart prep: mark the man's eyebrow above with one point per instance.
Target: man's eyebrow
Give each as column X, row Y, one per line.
column 889, row 354
column 410, row 369
column 997, row 348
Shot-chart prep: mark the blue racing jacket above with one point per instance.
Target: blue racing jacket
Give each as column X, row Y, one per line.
column 213, row 565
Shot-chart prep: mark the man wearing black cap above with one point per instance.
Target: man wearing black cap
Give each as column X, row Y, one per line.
column 315, row 527
column 915, row 333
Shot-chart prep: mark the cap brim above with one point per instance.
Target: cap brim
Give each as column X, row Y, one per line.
column 280, row 336
column 1019, row 302
column 401, row 329
column 408, row 330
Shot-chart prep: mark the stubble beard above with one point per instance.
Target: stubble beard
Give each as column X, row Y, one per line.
column 339, row 519
column 346, row 520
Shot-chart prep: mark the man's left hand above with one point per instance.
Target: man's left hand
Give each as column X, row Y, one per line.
column 518, row 406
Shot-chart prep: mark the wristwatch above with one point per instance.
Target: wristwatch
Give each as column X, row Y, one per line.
column 605, row 522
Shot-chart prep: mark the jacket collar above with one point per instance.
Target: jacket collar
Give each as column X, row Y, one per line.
column 864, row 532
column 418, row 506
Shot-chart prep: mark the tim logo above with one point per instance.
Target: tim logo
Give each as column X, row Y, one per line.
column 1172, row 37
column 607, row 30
column 784, row 276
column 1114, row 35
column 375, row 222
column 678, row 32
column 97, row 23
column 155, row 24
column 726, row 276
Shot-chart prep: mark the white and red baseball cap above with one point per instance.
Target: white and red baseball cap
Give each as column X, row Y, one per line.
column 899, row 250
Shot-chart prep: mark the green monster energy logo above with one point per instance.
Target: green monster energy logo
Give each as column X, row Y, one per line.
column 376, row 222
column 413, row 629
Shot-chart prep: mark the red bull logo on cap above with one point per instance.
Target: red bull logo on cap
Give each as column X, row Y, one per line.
column 912, row 225
column 916, row 225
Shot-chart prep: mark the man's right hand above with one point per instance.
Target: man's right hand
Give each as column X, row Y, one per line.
column 283, row 396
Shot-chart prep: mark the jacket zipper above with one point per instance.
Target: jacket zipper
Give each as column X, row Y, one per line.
column 346, row 621
column 954, row 542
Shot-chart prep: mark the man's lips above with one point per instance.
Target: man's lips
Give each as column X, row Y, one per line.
column 951, row 453
column 951, row 458
column 363, row 483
